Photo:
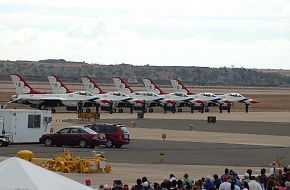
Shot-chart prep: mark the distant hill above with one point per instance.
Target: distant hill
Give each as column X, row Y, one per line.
column 71, row 71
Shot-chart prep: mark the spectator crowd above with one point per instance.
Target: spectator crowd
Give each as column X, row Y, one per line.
column 277, row 179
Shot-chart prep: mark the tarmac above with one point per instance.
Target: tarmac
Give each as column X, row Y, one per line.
column 237, row 140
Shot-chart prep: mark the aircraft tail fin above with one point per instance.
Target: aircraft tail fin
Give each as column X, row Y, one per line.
column 91, row 86
column 152, row 87
column 22, row 87
column 179, row 87
column 122, row 86
column 57, row 85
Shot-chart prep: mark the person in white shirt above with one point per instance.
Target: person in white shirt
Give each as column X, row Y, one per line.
column 225, row 185
column 253, row 185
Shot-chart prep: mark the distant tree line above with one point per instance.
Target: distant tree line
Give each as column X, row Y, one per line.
column 71, row 71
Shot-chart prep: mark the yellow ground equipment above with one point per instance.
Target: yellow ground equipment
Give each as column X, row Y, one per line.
column 69, row 164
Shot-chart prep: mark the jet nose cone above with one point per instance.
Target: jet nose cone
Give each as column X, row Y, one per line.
column 199, row 101
column 139, row 101
column 227, row 102
column 253, row 101
column 170, row 102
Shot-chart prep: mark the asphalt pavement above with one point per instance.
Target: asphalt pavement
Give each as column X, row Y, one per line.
column 188, row 153
column 243, row 127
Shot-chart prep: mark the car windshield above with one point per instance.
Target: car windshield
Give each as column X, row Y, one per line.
column 124, row 130
column 90, row 131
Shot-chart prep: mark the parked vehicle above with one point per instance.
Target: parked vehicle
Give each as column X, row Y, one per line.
column 116, row 134
column 4, row 141
column 74, row 135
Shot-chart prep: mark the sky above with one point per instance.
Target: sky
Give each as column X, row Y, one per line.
column 206, row 33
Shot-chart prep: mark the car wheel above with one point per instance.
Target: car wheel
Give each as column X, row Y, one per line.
column 109, row 144
column 47, row 142
column 83, row 143
column 118, row 145
column 1, row 143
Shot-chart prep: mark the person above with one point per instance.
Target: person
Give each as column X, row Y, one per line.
column 263, row 178
column 186, row 180
column 225, row 174
column 172, row 177
column 253, row 184
column 249, row 171
column 280, row 177
column 126, row 187
column 270, row 183
column 216, row 180
column 173, row 185
column 118, row 185
column 146, row 185
column 225, row 185
column 165, row 183
column 138, row 185
column 247, row 177
column 89, row 184
column 180, row 185
column 208, row 184
column 233, row 185
column 237, row 180
column 245, row 185
column 274, row 169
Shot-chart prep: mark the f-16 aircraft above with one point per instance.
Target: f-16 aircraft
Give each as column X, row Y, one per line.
column 236, row 98
column 181, row 99
column 106, row 100
column 117, row 99
column 223, row 101
column 25, row 94
column 144, row 98
column 207, row 99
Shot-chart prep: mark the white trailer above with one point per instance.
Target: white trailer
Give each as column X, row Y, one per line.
column 24, row 126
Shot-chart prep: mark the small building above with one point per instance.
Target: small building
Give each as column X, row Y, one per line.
column 23, row 125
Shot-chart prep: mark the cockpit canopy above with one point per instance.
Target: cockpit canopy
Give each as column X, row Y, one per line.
column 235, row 95
column 208, row 94
column 145, row 94
column 119, row 94
column 84, row 93
column 180, row 94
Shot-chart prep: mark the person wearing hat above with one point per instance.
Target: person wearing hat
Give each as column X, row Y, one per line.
column 208, row 184
column 225, row 185
column 89, row 184
column 246, row 178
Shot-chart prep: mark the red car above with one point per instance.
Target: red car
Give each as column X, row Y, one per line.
column 74, row 135
column 116, row 134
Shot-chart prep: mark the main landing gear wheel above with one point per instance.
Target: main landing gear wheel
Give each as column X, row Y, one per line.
column 150, row 110
column 121, row 110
